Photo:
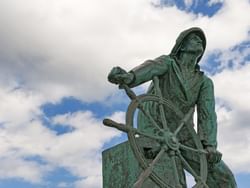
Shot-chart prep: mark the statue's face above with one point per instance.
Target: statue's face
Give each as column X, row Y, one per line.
column 193, row 44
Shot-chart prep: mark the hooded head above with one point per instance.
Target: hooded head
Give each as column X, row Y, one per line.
column 183, row 36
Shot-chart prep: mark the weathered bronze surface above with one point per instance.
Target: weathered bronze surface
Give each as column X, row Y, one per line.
column 160, row 124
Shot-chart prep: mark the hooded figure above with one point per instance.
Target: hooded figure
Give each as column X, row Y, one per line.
column 182, row 83
column 184, row 93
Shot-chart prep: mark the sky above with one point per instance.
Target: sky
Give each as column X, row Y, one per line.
column 55, row 56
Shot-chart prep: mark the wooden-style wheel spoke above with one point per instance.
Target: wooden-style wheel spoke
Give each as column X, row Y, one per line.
column 184, row 147
column 163, row 117
column 145, row 174
column 189, row 168
column 150, row 118
column 161, row 107
column 157, row 138
column 184, row 120
column 176, row 175
column 125, row 128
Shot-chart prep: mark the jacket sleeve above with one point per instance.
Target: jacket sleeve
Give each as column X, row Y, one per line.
column 149, row 69
column 207, row 120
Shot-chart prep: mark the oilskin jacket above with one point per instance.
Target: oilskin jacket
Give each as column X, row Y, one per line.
column 184, row 94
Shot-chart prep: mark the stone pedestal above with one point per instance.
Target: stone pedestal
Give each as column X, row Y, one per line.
column 121, row 169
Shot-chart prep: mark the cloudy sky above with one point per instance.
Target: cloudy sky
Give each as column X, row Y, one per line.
column 54, row 59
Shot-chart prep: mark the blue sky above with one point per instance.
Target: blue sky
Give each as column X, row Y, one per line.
column 55, row 57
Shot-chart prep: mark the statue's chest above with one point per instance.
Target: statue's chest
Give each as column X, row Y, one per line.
column 179, row 88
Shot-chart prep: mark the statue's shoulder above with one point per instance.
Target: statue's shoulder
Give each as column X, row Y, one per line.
column 165, row 59
column 207, row 81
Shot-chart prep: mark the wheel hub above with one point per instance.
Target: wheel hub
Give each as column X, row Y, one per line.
column 171, row 141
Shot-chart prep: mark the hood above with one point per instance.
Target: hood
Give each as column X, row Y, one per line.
column 198, row 31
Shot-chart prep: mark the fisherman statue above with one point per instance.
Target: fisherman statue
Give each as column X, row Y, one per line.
column 181, row 81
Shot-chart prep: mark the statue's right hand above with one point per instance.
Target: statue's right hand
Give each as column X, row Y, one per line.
column 119, row 76
column 213, row 156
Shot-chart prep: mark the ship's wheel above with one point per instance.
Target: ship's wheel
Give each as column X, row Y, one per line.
column 167, row 140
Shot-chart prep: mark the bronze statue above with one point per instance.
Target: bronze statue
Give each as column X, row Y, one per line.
column 179, row 80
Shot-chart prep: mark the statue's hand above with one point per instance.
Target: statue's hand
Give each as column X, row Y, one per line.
column 213, row 156
column 119, row 76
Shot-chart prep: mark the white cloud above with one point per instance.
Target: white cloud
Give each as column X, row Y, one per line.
column 234, row 139
column 219, row 30
column 233, row 59
column 91, row 181
column 233, row 86
column 78, row 151
column 18, row 106
column 18, row 168
column 233, row 93
column 90, row 135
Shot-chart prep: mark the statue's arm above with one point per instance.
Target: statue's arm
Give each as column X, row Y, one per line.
column 207, row 121
column 149, row 69
column 141, row 73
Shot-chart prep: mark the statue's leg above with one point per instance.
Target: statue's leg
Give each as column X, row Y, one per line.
column 220, row 176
